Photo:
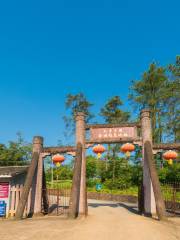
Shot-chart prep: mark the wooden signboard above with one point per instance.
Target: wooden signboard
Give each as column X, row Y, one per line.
column 113, row 134
column 4, row 190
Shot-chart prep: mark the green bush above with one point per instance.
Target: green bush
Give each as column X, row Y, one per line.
column 92, row 182
column 170, row 173
column 136, row 175
column 118, row 183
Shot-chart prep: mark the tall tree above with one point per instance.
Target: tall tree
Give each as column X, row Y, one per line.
column 76, row 103
column 150, row 92
column 112, row 112
column 15, row 153
column 173, row 100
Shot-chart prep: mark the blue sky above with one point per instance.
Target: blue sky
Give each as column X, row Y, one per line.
column 51, row 48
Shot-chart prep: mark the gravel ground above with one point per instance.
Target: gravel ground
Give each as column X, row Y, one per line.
column 106, row 221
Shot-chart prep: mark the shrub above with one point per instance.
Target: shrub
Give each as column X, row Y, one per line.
column 92, row 182
column 118, row 183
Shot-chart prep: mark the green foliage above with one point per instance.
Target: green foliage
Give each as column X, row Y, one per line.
column 136, row 159
column 121, row 176
column 63, row 172
column 159, row 92
column 170, row 173
column 78, row 103
column 15, row 153
column 173, row 100
column 118, row 183
column 136, row 175
column 74, row 104
column 149, row 92
column 132, row 191
column 163, row 174
column 112, row 112
column 60, row 184
column 91, row 167
column 175, row 68
column 92, row 182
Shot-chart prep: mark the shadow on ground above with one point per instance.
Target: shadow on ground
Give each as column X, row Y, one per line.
column 130, row 208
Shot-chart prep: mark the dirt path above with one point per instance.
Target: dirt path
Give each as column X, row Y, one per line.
column 105, row 222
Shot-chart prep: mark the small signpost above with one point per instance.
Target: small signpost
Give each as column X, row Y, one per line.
column 4, row 198
column 2, row 209
column 98, row 187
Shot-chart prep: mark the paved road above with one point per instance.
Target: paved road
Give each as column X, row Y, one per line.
column 106, row 221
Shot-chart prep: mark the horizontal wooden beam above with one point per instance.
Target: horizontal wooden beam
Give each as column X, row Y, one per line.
column 135, row 124
column 120, row 140
column 54, row 150
column 167, row 146
column 69, row 149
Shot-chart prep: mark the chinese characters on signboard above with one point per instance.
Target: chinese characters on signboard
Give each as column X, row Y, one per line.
column 114, row 133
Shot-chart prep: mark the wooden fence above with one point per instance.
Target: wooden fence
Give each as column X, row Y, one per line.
column 15, row 194
column 171, row 194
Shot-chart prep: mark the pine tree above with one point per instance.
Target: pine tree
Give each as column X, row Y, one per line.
column 112, row 113
column 173, row 101
column 74, row 104
column 149, row 92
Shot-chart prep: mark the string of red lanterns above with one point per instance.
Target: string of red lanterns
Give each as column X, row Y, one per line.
column 127, row 148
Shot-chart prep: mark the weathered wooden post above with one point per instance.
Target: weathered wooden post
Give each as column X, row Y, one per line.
column 149, row 200
column 75, row 192
column 160, row 205
column 29, row 178
column 80, row 138
column 38, row 179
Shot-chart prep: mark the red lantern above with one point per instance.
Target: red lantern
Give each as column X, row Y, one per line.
column 58, row 159
column 127, row 148
column 170, row 156
column 98, row 149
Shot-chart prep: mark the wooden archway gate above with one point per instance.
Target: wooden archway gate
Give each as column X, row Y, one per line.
column 153, row 202
column 99, row 133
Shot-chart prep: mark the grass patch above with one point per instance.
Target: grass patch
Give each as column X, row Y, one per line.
column 132, row 191
column 60, row 184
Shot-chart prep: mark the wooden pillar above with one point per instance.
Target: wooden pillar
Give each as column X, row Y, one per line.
column 160, row 205
column 80, row 138
column 27, row 185
column 38, row 178
column 75, row 192
column 149, row 200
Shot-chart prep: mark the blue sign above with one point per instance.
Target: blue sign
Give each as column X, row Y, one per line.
column 2, row 208
column 98, row 187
